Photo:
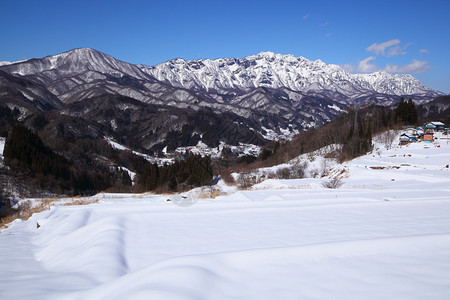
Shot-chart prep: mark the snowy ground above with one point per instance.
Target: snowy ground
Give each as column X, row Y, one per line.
column 385, row 234
column 2, row 146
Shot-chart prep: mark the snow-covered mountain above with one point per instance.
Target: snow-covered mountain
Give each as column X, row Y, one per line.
column 83, row 73
column 278, row 71
column 77, row 73
column 263, row 93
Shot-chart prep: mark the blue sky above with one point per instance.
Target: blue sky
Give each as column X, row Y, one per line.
column 397, row 36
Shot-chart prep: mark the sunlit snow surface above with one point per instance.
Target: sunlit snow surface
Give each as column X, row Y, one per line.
column 385, row 234
column 2, row 146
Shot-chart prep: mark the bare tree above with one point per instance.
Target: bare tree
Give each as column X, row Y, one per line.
column 247, row 179
column 283, row 173
column 298, row 170
column 333, row 183
column 387, row 138
column 324, row 167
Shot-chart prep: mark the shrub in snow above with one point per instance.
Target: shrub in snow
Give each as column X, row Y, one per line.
column 247, row 179
column 270, row 175
column 325, row 169
column 284, row 173
column 387, row 138
column 225, row 174
column 314, row 173
column 298, row 170
column 333, row 183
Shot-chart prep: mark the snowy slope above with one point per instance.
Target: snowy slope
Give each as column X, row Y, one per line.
column 385, row 234
column 5, row 63
column 282, row 93
column 76, row 61
column 2, row 145
column 2, row 148
column 278, row 71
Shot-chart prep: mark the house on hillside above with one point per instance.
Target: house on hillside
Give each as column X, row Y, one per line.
column 406, row 138
column 428, row 137
column 410, row 135
column 420, row 132
column 413, row 132
column 435, row 126
column 410, row 131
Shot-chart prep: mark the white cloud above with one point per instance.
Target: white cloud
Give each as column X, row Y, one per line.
column 348, row 67
column 416, row 66
column 305, row 17
column 365, row 66
column 381, row 48
column 397, row 50
column 328, row 34
column 324, row 24
column 388, row 49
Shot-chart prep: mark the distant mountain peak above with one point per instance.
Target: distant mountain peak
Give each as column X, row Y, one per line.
column 268, row 69
column 278, row 92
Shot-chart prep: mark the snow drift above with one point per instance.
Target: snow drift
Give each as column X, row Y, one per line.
column 384, row 234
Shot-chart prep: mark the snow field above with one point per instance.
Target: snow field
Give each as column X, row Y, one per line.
column 2, row 146
column 384, row 234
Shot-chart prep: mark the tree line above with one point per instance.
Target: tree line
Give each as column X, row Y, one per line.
column 25, row 153
column 28, row 156
column 353, row 130
column 192, row 171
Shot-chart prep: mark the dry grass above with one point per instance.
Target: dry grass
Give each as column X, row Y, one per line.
column 5, row 221
column 81, row 202
column 365, row 187
column 207, row 194
column 143, row 195
column 25, row 211
column 382, row 168
column 290, row 187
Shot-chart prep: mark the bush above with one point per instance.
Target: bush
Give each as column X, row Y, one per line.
column 284, row 173
column 247, row 179
column 333, row 183
column 298, row 170
column 387, row 138
column 225, row 174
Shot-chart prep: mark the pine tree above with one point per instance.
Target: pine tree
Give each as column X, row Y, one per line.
column 52, row 171
column 406, row 112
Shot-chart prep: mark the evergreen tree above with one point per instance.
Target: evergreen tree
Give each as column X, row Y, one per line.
column 412, row 113
column 54, row 172
column 406, row 112
column 193, row 171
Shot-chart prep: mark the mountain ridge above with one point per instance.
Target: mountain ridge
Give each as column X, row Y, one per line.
column 296, row 73
column 266, row 91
